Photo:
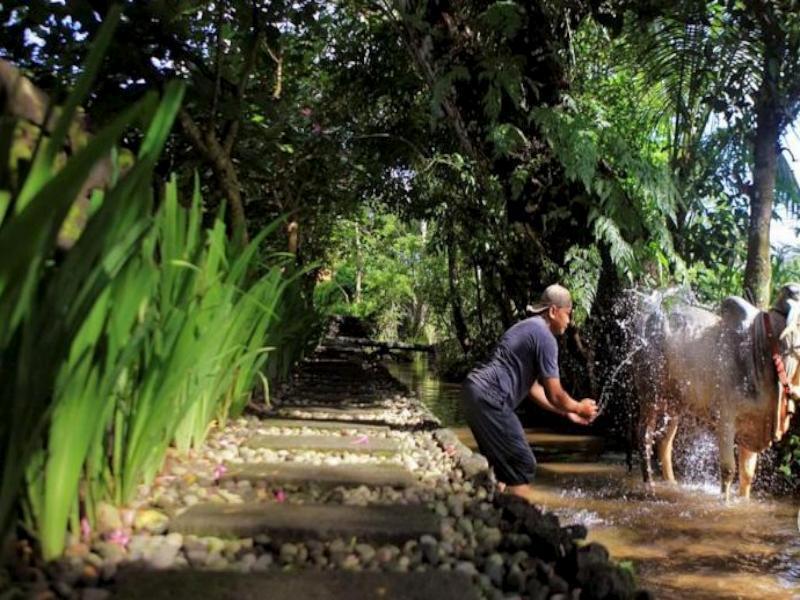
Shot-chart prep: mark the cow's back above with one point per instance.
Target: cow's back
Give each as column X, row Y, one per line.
column 675, row 368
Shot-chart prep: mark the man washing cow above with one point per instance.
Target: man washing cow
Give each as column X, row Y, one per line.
column 737, row 371
column 524, row 364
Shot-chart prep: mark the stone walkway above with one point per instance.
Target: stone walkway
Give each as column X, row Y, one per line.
column 345, row 510
column 347, row 487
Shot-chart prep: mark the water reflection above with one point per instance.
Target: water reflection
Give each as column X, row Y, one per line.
column 441, row 397
column 682, row 540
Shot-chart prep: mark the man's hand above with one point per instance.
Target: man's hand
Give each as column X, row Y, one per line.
column 576, row 418
column 587, row 409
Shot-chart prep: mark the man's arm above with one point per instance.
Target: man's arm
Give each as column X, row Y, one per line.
column 537, row 394
column 557, row 397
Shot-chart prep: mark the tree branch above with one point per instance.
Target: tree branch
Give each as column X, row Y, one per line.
column 247, row 68
column 217, row 67
column 278, row 60
column 193, row 131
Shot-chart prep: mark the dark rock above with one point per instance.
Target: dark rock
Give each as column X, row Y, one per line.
column 558, row 585
column 515, row 579
column 537, row 590
column 430, row 549
column 495, row 569
column 575, row 532
column 599, row 578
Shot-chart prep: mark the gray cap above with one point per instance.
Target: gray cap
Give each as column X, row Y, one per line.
column 553, row 295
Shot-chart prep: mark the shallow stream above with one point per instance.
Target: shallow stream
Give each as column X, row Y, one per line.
column 682, row 542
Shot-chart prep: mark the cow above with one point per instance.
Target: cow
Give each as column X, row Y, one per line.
column 737, row 371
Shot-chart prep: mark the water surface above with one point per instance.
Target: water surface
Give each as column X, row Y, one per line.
column 682, row 540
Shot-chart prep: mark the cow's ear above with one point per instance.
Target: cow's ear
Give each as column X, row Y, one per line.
column 737, row 313
column 792, row 319
column 788, row 297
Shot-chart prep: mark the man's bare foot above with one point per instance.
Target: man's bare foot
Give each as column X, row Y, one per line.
column 524, row 491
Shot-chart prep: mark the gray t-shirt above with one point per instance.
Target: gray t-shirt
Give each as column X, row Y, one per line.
column 526, row 352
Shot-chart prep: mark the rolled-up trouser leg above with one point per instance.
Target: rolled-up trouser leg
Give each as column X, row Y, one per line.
column 500, row 437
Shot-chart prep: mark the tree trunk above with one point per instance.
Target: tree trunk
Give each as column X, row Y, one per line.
column 455, row 299
column 293, row 236
column 228, row 179
column 478, row 296
column 758, row 272
column 359, row 265
column 219, row 155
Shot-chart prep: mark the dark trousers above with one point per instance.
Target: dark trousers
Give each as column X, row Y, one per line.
column 499, row 434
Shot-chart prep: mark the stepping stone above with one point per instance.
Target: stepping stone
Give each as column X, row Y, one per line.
column 325, row 476
column 356, row 444
column 326, row 425
column 560, row 471
column 133, row 584
column 549, row 440
column 301, row 522
column 330, row 413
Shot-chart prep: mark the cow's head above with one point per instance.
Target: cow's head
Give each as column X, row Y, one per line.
column 788, row 304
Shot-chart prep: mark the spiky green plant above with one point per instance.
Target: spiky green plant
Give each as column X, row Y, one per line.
column 51, row 314
column 146, row 332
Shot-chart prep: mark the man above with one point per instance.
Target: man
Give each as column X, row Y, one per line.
column 524, row 364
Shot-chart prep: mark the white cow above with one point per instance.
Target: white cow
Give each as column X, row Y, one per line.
column 722, row 370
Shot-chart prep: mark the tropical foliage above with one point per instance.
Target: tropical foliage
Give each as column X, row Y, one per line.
column 428, row 167
column 148, row 331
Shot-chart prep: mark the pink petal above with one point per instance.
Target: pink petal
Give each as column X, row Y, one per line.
column 86, row 529
column 119, row 537
column 280, row 496
column 361, row 440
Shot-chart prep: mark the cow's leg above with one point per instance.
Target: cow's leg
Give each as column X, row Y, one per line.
column 727, row 458
column 747, row 470
column 665, row 450
column 647, row 427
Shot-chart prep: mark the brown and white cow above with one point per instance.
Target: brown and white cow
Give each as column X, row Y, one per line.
column 722, row 369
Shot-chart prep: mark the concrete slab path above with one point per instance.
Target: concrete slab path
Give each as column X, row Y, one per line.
column 324, row 476
column 299, row 522
column 306, row 585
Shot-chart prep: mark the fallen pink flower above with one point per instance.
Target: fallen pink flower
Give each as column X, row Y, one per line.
column 361, row 440
column 219, row 471
column 119, row 537
column 280, row 496
column 86, row 529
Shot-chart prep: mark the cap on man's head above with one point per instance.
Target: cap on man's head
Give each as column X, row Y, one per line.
column 553, row 295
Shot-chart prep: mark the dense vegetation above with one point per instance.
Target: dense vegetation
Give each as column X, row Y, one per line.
column 428, row 166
